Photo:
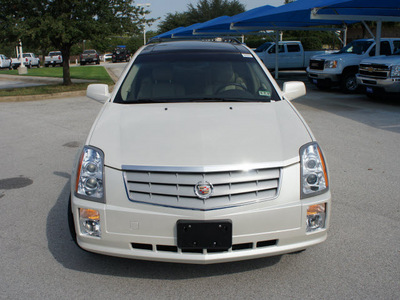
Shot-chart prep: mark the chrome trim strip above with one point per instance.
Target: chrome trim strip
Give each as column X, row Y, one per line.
column 215, row 168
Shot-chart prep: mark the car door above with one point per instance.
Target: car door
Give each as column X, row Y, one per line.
column 294, row 57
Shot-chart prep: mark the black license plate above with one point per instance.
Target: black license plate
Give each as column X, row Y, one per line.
column 204, row 234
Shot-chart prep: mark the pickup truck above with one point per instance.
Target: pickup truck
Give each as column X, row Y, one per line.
column 89, row 56
column 380, row 75
column 121, row 53
column 291, row 55
column 340, row 68
column 30, row 60
column 54, row 58
column 5, row 62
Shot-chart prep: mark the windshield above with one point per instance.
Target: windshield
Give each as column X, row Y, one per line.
column 356, row 47
column 263, row 47
column 192, row 77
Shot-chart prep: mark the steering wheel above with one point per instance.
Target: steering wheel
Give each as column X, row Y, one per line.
column 241, row 86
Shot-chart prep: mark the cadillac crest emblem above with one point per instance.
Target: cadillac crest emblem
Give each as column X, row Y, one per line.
column 203, row 189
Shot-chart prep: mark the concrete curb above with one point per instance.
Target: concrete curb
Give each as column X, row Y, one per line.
column 42, row 97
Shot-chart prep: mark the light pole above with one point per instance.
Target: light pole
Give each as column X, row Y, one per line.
column 144, row 5
column 22, row 69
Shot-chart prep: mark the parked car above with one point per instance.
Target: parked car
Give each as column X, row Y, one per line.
column 107, row 56
column 30, row 60
column 89, row 56
column 197, row 156
column 15, row 63
column 380, row 75
column 291, row 55
column 340, row 68
column 121, row 53
column 5, row 62
column 53, row 59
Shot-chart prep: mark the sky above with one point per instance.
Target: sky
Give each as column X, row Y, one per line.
column 159, row 8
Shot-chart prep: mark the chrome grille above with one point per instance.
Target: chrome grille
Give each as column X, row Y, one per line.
column 316, row 64
column 374, row 70
column 176, row 189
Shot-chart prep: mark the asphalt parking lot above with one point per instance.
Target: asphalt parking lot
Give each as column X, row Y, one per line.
column 360, row 259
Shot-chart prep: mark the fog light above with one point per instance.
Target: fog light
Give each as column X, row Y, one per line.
column 89, row 222
column 316, row 215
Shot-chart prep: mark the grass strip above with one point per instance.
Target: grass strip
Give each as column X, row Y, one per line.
column 96, row 73
column 43, row 89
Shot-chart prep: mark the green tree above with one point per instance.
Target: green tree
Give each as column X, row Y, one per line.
column 63, row 23
column 203, row 11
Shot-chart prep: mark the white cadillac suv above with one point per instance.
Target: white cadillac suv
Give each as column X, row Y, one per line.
column 198, row 157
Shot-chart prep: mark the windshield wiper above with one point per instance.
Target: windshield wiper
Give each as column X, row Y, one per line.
column 220, row 99
column 150, row 101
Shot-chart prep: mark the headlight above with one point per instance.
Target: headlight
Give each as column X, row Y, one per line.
column 395, row 71
column 90, row 175
column 330, row 64
column 314, row 176
column 89, row 222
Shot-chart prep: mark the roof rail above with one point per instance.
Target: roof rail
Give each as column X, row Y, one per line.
column 224, row 39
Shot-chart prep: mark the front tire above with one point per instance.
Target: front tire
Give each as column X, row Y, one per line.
column 349, row 83
column 71, row 223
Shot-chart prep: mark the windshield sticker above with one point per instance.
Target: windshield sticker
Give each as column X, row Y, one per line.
column 264, row 93
column 247, row 55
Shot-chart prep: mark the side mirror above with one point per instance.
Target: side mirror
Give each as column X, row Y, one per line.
column 293, row 89
column 98, row 92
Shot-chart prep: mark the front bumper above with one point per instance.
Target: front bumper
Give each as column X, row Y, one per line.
column 149, row 232
column 322, row 77
column 388, row 85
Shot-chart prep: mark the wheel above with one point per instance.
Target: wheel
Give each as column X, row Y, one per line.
column 97, row 62
column 71, row 223
column 349, row 83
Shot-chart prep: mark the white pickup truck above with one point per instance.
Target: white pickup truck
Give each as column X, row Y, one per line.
column 5, row 62
column 380, row 75
column 340, row 68
column 53, row 59
column 291, row 55
column 29, row 59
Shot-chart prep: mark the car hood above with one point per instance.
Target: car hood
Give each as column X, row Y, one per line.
column 386, row 60
column 335, row 56
column 199, row 134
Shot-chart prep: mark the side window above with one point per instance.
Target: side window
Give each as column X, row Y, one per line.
column 385, row 48
column 281, row 49
column 293, row 48
column 396, row 46
column 372, row 52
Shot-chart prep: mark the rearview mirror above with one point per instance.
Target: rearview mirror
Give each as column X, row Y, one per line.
column 98, row 92
column 293, row 89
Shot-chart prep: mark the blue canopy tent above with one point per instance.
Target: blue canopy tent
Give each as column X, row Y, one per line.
column 222, row 25
column 360, row 10
column 188, row 31
column 290, row 16
column 168, row 34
